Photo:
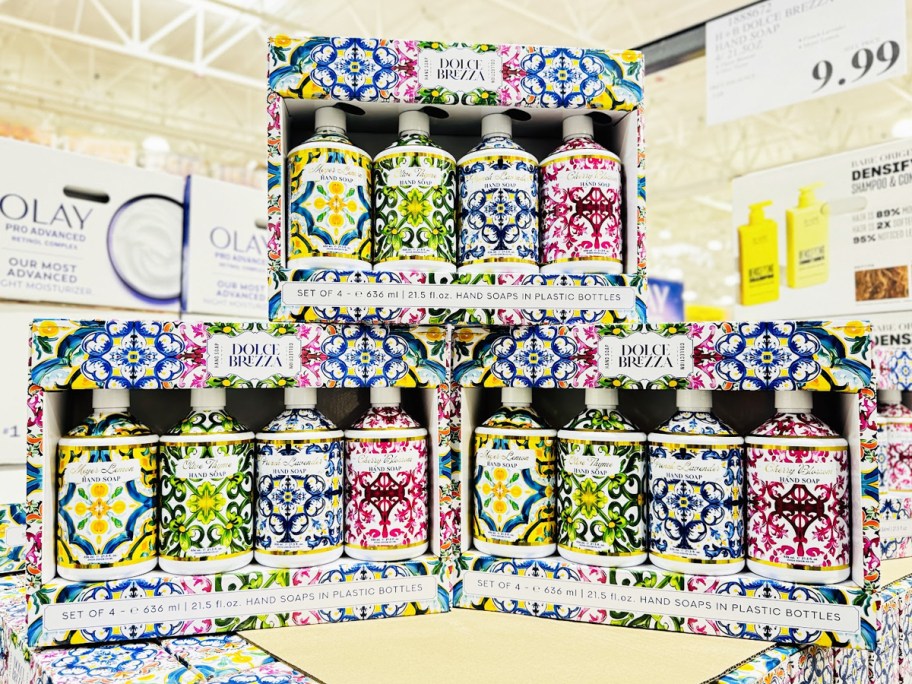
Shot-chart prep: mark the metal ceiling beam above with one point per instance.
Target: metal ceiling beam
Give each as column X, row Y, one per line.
column 682, row 46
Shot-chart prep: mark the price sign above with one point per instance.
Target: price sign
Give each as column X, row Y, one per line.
column 780, row 52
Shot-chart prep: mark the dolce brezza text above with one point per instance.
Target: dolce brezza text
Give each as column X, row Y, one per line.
column 645, row 356
column 255, row 355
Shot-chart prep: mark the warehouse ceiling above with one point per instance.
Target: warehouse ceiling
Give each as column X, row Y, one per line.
column 115, row 77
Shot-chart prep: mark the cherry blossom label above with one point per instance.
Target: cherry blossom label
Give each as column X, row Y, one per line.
column 646, row 356
column 253, row 355
column 797, row 505
column 386, row 493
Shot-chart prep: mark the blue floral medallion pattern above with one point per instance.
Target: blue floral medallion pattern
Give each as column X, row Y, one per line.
column 358, row 357
column 533, row 357
column 775, row 356
column 562, row 77
column 138, row 354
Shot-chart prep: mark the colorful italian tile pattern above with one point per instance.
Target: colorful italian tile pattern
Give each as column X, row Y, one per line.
column 64, row 356
column 217, row 655
column 379, row 70
column 141, row 663
column 772, row 666
column 12, row 533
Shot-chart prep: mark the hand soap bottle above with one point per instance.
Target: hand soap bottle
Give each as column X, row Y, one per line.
column 582, row 231
column 894, row 440
column 329, row 199
column 797, row 496
column 206, row 490
column 758, row 256
column 513, row 483
column 107, row 486
column 415, row 202
column 601, row 477
column 807, row 239
column 386, row 482
column 498, row 203
column 299, row 512
column 696, row 476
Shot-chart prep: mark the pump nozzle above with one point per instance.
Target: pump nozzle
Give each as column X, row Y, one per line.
column 806, row 196
column 756, row 211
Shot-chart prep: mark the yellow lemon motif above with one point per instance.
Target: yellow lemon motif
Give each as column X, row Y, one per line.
column 48, row 329
column 281, row 40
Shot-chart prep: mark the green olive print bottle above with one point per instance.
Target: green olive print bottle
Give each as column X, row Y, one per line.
column 415, row 202
column 107, row 485
column 206, row 490
column 514, row 506
column 601, row 476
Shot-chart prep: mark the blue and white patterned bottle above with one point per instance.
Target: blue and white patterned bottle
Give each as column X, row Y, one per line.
column 696, row 483
column 299, row 511
column 498, row 203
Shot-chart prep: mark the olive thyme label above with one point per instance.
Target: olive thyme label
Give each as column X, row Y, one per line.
column 253, row 355
column 646, row 356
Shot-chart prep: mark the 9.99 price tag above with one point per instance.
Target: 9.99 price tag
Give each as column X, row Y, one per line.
column 779, row 52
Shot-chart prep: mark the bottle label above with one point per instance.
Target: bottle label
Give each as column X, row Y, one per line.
column 797, row 505
column 581, row 209
column 695, row 508
column 329, row 203
column 106, row 500
column 602, row 497
column 498, row 210
column 513, row 489
column 386, row 493
column 299, row 497
column 415, row 215
column 206, row 500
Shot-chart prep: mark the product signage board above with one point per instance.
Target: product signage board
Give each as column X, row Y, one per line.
column 833, row 237
column 779, row 52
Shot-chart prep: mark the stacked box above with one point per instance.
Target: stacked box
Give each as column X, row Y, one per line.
column 157, row 360
column 378, row 78
column 226, row 658
column 744, row 363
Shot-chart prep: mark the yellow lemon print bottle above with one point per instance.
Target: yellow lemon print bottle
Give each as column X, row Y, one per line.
column 107, row 486
column 758, row 250
column 514, row 479
column 329, row 199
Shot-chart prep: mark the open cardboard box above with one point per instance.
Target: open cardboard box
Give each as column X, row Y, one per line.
column 70, row 357
column 394, row 75
column 558, row 361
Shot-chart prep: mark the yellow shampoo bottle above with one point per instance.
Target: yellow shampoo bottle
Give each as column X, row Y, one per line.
column 758, row 247
column 807, row 239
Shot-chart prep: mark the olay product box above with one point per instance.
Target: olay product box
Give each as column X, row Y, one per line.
column 373, row 80
column 159, row 362
column 225, row 244
column 745, row 365
column 89, row 232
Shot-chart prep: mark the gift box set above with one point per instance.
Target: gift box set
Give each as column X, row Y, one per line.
column 893, row 365
column 746, row 365
column 199, row 526
column 397, row 263
column 222, row 658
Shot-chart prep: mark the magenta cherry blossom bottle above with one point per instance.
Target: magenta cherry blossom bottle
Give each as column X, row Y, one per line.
column 894, row 438
column 797, row 496
column 581, row 204
column 386, row 482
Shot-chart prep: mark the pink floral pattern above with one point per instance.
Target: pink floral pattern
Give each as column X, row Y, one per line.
column 386, row 483
column 797, row 498
column 581, row 220
column 895, row 441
